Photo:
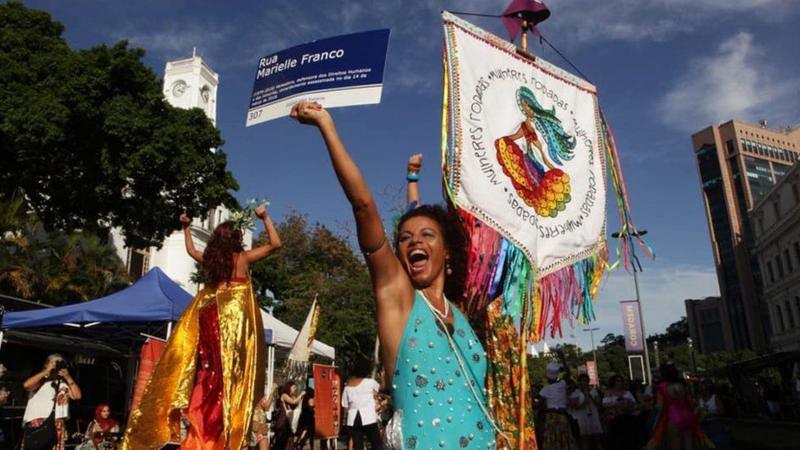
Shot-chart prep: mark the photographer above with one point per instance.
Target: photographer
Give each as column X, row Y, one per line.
column 50, row 392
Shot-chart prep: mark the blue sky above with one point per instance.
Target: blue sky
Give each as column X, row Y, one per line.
column 664, row 69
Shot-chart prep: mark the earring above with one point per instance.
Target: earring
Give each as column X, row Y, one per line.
column 448, row 269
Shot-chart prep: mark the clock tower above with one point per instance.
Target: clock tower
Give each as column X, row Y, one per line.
column 191, row 83
column 188, row 83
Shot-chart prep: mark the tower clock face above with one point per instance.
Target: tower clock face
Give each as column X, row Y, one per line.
column 178, row 88
column 205, row 93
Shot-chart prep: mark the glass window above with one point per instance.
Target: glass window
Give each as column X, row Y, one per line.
column 779, row 264
column 789, row 265
column 729, row 146
column 138, row 263
column 789, row 315
column 779, row 318
column 771, row 273
column 759, row 177
column 796, row 251
column 797, row 304
column 780, row 170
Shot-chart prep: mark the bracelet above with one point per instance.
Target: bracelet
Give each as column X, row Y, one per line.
column 412, row 177
column 369, row 251
column 414, row 167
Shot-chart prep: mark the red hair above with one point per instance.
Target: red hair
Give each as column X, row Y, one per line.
column 226, row 240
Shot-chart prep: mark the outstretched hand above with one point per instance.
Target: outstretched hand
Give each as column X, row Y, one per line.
column 261, row 212
column 310, row 113
column 185, row 220
column 415, row 160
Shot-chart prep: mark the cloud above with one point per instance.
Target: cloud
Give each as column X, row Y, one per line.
column 734, row 82
column 663, row 290
column 171, row 41
column 590, row 22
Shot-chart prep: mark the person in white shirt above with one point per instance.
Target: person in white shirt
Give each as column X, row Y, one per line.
column 586, row 413
column 50, row 392
column 558, row 434
column 358, row 399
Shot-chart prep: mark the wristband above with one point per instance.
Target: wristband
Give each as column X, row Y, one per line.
column 412, row 177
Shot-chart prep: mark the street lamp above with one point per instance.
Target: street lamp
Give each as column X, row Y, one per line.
column 658, row 359
column 624, row 235
column 691, row 355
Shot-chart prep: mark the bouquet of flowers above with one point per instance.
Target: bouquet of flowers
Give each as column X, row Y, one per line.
column 245, row 218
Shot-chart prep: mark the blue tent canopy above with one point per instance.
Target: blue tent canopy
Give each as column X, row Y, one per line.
column 153, row 298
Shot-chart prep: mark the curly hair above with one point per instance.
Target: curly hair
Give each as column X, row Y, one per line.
column 218, row 256
column 454, row 240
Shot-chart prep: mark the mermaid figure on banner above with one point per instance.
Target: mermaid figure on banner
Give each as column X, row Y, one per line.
column 536, row 179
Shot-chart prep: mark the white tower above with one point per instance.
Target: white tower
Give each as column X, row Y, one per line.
column 188, row 83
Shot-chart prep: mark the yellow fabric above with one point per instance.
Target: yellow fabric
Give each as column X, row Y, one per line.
column 506, row 385
column 156, row 421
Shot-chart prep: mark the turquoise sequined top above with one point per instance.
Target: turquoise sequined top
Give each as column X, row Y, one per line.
column 439, row 408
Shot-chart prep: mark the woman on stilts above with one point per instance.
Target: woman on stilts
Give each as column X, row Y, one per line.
column 212, row 368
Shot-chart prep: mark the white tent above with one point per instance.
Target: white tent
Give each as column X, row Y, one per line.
column 284, row 336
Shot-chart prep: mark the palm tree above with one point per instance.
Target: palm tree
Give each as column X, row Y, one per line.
column 83, row 266
column 54, row 266
column 17, row 252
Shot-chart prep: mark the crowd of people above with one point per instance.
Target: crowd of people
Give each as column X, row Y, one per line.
column 569, row 413
column 210, row 376
column 621, row 414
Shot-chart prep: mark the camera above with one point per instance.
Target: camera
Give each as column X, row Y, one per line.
column 61, row 364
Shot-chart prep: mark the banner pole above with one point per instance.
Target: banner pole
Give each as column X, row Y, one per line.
column 375, row 357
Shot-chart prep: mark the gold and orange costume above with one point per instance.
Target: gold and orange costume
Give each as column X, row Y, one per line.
column 211, row 373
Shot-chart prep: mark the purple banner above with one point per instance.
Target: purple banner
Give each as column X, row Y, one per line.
column 631, row 324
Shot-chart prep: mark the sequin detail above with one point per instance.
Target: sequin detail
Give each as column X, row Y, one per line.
column 434, row 402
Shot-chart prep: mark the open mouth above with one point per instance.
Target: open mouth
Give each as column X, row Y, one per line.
column 417, row 260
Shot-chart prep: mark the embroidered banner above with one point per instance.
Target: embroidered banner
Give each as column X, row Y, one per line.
column 526, row 153
column 326, row 401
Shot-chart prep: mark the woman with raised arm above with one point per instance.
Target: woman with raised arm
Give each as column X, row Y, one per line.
column 214, row 361
column 433, row 361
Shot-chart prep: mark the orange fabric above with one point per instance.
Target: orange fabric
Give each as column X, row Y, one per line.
column 326, row 401
column 151, row 351
column 156, row 420
column 205, row 412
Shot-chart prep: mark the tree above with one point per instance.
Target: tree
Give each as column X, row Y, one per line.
column 54, row 267
column 89, row 140
column 612, row 339
column 314, row 260
column 676, row 334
